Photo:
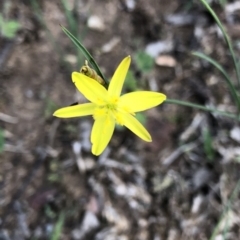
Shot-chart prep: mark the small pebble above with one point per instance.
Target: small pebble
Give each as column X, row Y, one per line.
column 96, row 23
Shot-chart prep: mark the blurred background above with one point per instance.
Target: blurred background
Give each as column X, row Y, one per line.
column 182, row 186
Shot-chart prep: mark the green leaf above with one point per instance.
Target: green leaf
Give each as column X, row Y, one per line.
column 140, row 116
column 144, row 61
column 10, row 28
column 207, row 143
column 58, row 227
column 49, row 108
column 130, row 81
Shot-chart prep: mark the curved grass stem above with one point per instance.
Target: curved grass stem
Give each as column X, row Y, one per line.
column 197, row 106
column 226, row 37
column 225, row 74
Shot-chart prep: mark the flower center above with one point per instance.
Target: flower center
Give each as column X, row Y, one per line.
column 109, row 108
column 112, row 104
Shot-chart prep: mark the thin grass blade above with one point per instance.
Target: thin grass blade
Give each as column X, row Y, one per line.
column 227, row 39
column 70, row 18
column 1, row 140
column 58, row 227
column 85, row 52
column 225, row 74
column 73, row 25
column 227, row 207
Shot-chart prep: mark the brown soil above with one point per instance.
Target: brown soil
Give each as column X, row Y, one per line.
column 135, row 190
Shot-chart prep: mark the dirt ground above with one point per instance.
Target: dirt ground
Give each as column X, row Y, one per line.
column 182, row 186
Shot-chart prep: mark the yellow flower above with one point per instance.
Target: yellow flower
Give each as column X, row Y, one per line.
column 109, row 108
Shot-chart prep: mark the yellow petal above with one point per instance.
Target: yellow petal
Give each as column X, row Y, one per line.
column 102, row 132
column 142, row 100
column 90, row 88
column 115, row 87
column 75, row 111
column 136, row 127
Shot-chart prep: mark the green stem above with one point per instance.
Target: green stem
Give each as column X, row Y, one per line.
column 197, row 106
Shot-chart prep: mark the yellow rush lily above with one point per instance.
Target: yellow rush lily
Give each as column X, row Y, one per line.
column 109, row 108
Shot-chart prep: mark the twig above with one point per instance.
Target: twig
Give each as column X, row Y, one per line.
column 7, row 118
